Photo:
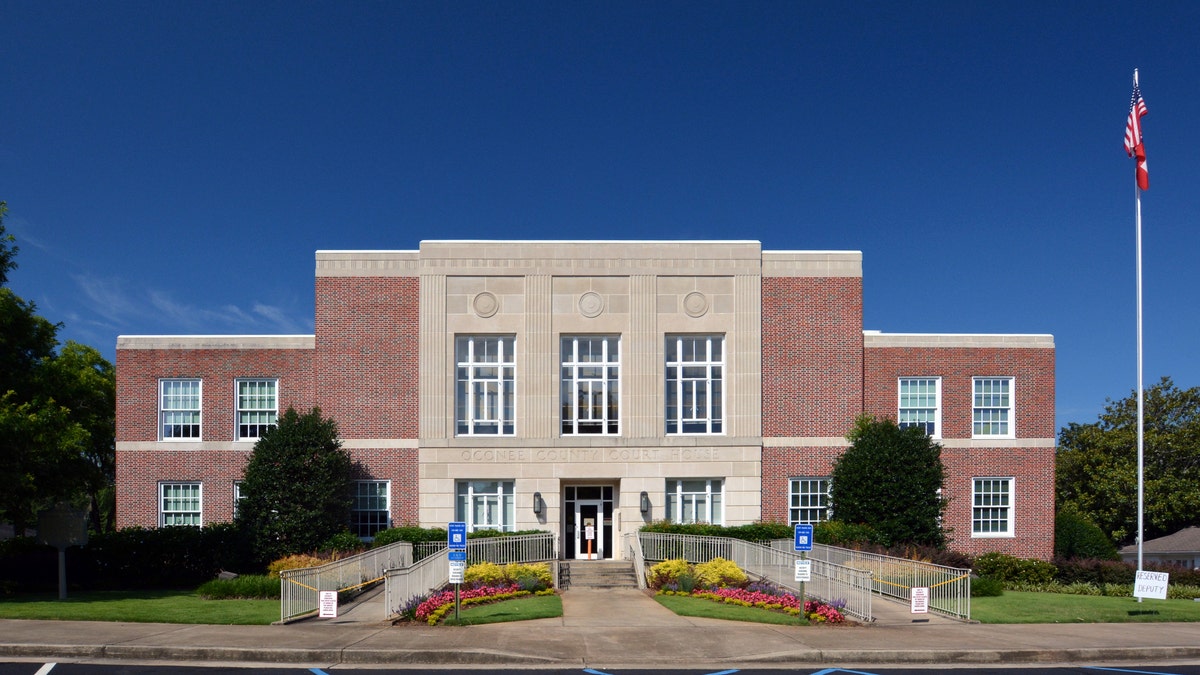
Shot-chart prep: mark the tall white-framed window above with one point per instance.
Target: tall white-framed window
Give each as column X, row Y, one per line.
column 486, row 378
column 485, row 505
column 371, row 510
column 695, row 500
column 694, row 378
column 180, row 504
column 809, row 500
column 590, row 391
column 179, row 409
column 992, row 407
column 992, row 507
column 257, row 407
column 920, row 404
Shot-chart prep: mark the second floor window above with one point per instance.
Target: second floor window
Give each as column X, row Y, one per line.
column 991, row 409
column 590, row 391
column 485, row 394
column 920, row 399
column 179, row 409
column 257, row 407
column 694, row 378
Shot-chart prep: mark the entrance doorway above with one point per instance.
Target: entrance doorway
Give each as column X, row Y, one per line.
column 588, row 526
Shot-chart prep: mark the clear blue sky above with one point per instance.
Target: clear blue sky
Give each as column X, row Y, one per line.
column 171, row 167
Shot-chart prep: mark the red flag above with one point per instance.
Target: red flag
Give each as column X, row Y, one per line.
column 1134, row 144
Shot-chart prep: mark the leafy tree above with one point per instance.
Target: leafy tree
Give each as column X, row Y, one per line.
column 296, row 488
column 889, row 478
column 8, row 248
column 56, row 410
column 1096, row 465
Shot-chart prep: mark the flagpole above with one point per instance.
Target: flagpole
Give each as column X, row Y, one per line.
column 1140, row 392
column 1140, row 395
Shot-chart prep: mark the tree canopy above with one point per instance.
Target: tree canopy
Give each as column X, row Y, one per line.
column 296, row 487
column 890, row 478
column 57, row 411
column 1096, row 466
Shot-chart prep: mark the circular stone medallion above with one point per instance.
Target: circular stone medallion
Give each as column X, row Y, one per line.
column 695, row 304
column 591, row 304
column 485, row 305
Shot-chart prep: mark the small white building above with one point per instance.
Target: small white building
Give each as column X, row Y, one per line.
column 1181, row 548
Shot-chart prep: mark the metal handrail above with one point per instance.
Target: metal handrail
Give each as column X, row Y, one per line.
column 833, row 583
column 433, row 572
column 949, row 587
column 300, row 589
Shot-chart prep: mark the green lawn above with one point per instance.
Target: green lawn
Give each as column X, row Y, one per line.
column 709, row 609
column 1021, row 607
column 139, row 606
column 517, row 609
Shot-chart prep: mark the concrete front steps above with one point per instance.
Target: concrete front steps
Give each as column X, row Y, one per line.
column 596, row 574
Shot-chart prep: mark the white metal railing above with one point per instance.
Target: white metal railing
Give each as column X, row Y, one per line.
column 949, row 587
column 300, row 589
column 831, row 582
column 433, row 572
column 633, row 551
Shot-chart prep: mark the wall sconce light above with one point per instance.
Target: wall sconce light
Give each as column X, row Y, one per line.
column 645, row 502
column 538, row 504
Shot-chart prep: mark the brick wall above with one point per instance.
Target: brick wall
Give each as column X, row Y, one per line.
column 812, row 355
column 139, row 471
column 367, row 355
column 779, row 465
column 1032, row 370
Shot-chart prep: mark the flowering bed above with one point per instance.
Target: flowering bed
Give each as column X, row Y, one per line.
column 434, row 608
column 814, row 610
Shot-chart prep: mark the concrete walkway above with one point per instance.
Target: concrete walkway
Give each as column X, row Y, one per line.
column 603, row 629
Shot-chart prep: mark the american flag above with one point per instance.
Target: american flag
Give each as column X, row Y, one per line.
column 1134, row 146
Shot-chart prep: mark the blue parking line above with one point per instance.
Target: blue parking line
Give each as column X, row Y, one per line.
column 317, row 671
column 594, row 672
column 829, row 671
column 724, row 672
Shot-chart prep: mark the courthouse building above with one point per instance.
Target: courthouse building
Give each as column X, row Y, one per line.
column 591, row 386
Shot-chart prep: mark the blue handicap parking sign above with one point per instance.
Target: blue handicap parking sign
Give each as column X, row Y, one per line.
column 457, row 536
column 804, row 537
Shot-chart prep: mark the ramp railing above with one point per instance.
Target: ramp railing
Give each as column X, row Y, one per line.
column 300, row 589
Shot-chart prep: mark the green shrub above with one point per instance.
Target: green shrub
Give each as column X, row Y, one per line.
column 409, row 534
column 838, row 533
column 245, row 586
column 342, row 544
column 719, row 572
column 985, row 587
column 1077, row 537
column 165, row 557
column 1007, row 568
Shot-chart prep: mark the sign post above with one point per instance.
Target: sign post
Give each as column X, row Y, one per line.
column 804, row 542
column 61, row 527
column 456, row 542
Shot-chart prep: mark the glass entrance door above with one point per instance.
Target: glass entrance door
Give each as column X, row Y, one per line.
column 589, row 530
column 583, row 504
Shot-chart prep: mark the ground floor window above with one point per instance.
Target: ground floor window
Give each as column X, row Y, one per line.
column 485, row 505
column 371, row 510
column 696, row 500
column 179, row 504
column 237, row 497
column 809, row 500
column 991, row 514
